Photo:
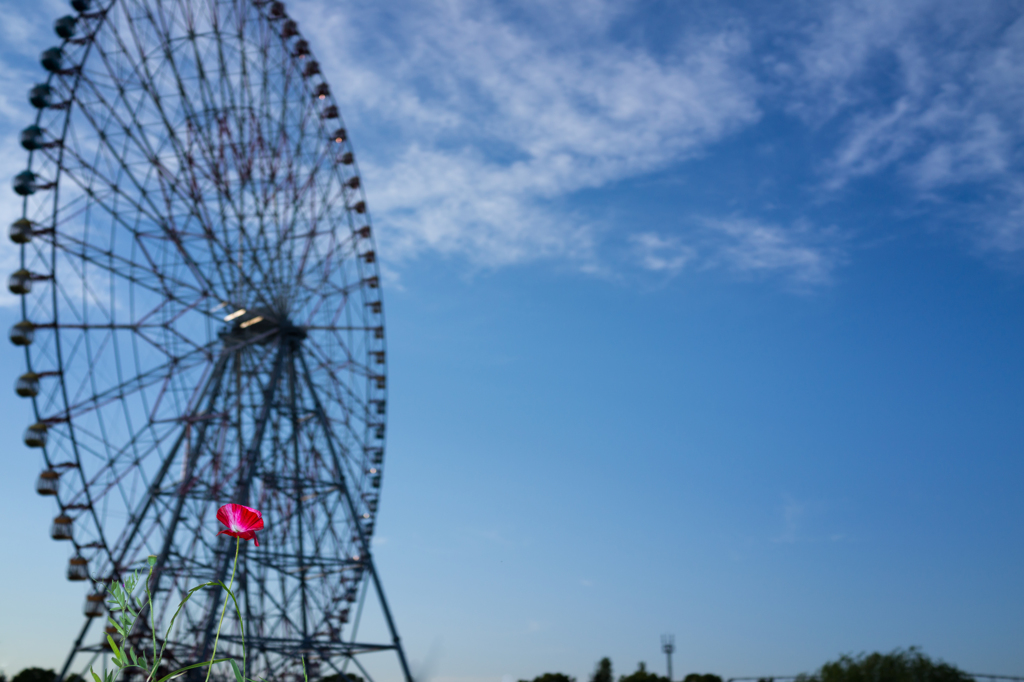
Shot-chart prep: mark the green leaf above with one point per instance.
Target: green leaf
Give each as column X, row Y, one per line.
column 181, row 671
column 94, row 675
column 113, row 647
column 238, row 673
column 303, row 659
column 117, row 626
column 130, row 582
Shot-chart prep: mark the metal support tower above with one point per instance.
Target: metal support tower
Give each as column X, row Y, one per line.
column 668, row 645
column 289, row 391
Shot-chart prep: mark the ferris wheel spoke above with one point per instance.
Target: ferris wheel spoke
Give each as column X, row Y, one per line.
column 209, row 149
column 138, row 332
column 220, row 167
column 349, row 364
column 184, row 160
column 329, row 436
column 108, row 477
column 328, row 536
column 121, row 266
column 135, row 133
column 312, row 260
column 99, row 200
column 152, row 423
column 137, row 383
column 327, row 269
column 348, row 411
column 103, row 303
column 256, row 264
column 307, row 188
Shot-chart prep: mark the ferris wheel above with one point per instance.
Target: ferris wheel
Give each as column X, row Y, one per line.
column 202, row 323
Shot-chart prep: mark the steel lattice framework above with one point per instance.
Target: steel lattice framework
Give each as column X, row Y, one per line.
column 202, row 324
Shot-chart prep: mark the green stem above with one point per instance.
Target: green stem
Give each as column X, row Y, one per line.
column 238, row 542
column 152, row 616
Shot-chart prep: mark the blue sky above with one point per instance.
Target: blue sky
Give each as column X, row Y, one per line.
column 703, row 318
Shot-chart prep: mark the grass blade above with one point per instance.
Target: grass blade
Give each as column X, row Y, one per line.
column 181, row 671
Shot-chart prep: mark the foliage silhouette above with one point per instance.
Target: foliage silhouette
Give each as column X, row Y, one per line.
column 553, row 677
column 901, row 665
column 603, row 671
column 35, row 675
column 642, row 674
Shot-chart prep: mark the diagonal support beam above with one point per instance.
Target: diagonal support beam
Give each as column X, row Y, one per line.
column 293, row 386
column 363, row 540
column 190, row 467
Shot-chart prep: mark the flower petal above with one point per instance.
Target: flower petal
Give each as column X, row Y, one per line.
column 242, row 521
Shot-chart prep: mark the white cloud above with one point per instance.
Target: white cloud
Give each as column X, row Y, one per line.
column 799, row 253
column 493, row 120
column 461, row 204
column 981, row 151
column 927, row 88
column 1005, row 234
column 804, row 254
column 475, row 131
column 792, row 514
column 659, row 253
column 838, row 46
column 875, row 142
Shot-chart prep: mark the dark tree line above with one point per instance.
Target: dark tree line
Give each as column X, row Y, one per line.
column 901, row 665
column 603, row 673
column 908, row 665
column 38, row 675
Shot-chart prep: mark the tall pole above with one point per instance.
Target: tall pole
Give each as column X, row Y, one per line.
column 668, row 645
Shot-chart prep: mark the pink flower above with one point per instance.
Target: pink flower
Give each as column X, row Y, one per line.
column 242, row 521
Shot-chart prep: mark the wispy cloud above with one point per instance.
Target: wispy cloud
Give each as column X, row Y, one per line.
column 478, row 124
column 499, row 119
column 792, row 514
column 807, row 255
column 799, row 253
column 807, row 521
column 1004, row 234
column 930, row 89
column 661, row 253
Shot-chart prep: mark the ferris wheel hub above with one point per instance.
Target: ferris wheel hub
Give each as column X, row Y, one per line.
column 261, row 326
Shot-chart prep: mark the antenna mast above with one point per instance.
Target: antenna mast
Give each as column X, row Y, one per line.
column 668, row 645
